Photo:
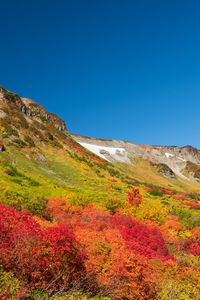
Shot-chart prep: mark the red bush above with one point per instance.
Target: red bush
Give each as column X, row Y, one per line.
column 113, row 267
column 134, row 197
column 142, row 239
column 139, row 237
column 42, row 258
column 194, row 248
column 193, row 204
column 192, row 245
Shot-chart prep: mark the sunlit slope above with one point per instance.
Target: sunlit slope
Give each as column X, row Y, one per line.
column 115, row 215
column 143, row 171
column 172, row 167
column 40, row 159
column 27, row 180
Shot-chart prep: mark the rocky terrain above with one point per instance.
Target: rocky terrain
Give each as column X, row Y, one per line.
column 29, row 108
column 175, row 159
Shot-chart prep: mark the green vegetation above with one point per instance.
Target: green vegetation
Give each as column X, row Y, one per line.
column 132, row 228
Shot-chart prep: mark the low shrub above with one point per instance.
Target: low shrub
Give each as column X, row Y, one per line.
column 9, row 285
column 41, row 258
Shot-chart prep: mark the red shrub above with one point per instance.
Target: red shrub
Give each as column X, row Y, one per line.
column 142, row 239
column 118, row 251
column 42, row 258
column 180, row 196
column 193, row 204
column 166, row 191
column 192, row 245
column 134, row 197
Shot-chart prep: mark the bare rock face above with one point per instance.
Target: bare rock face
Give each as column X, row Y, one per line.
column 31, row 109
column 165, row 171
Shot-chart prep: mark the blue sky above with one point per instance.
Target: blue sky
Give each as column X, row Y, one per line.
column 112, row 69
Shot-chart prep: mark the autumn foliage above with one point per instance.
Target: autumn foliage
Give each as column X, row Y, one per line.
column 118, row 269
column 193, row 243
column 119, row 249
column 47, row 258
column 142, row 239
column 134, row 197
column 89, row 249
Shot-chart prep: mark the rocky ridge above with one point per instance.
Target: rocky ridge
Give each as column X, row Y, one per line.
column 30, row 108
column 175, row 159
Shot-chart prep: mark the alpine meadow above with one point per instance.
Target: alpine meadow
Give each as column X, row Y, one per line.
column 100, row 150
column 123, row 224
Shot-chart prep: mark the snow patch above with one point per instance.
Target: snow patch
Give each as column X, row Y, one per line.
column 168, row 155
column 119, row 154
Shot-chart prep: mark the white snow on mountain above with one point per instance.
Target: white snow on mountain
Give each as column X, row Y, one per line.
column 168, row 155
column 118, row 154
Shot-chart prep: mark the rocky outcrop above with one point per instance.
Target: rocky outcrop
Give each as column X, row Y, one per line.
column 187, row 153
column 12, row 98
column 164, row 170
column 31, row 109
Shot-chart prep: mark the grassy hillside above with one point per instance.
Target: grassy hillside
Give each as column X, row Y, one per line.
column 91, row 230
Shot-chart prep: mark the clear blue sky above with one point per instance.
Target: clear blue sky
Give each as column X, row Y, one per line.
column 111, row 69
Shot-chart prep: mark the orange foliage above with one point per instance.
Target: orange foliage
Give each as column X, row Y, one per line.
column 170, row 228
column 117, row 271
column 113, row 265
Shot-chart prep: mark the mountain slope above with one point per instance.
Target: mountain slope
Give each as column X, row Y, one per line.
column 39, row 154
column 84, row 218
column 167, row 161
column 42, row 156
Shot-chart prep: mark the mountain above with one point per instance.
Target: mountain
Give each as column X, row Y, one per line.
column 171, row 162
column 87, row 218
column 176, row 158
column 38, row 152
